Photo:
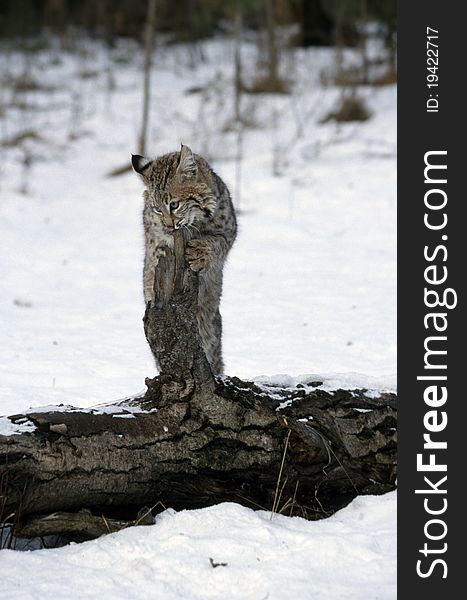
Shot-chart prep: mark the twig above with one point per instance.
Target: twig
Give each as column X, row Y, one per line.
column 274, row 505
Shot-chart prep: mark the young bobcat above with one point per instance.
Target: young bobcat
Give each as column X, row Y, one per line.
column 183, row 191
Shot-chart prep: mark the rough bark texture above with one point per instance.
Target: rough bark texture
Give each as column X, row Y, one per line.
column 171, row 328
column 196, row 440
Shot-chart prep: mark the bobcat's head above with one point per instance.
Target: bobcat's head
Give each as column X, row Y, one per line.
column 177, row 187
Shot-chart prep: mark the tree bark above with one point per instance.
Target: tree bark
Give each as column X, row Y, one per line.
column 148, row 47
column 238, row 82
column 194, row 440
column 273, row 60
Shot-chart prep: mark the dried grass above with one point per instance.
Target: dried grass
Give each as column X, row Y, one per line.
column 352, row 108
column 269, row 85
column 19, row 138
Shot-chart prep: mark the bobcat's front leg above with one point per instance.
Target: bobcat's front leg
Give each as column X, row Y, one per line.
column 207, row 252
column 199, row 254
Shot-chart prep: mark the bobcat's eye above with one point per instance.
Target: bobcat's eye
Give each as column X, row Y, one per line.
column 174, row 205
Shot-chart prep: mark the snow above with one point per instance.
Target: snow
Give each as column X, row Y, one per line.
column 309, row 288
column 9, row 428
column 344, row 556
column 331, row 382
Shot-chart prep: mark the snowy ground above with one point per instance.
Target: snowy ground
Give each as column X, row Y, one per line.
column 310, row 287
column 345, row 556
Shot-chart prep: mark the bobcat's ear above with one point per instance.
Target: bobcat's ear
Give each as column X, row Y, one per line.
column 187, row 165
column 140, row 163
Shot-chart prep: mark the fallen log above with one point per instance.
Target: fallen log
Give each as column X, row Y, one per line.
column 194, row 440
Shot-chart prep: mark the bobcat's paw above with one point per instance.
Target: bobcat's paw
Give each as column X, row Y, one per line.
column 199, row 255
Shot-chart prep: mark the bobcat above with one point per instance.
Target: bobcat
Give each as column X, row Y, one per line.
column 183, row 191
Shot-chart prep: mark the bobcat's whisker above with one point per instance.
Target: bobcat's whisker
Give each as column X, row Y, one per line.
column 195, row 228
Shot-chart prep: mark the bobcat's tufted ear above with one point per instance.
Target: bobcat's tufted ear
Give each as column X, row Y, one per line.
column 140, row 163
column 187, row 165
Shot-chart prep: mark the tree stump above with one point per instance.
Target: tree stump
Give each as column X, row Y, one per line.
column 194, row 440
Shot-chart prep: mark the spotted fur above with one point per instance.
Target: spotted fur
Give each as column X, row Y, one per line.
column 183, row 191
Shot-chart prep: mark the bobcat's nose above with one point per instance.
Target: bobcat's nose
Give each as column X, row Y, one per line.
column 168, row 221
